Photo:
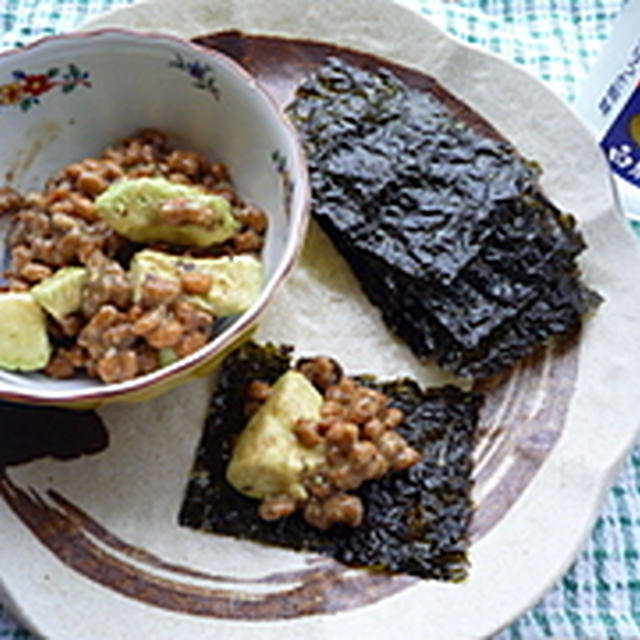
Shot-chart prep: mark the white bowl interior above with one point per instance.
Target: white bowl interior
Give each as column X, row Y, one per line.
column 200, row 99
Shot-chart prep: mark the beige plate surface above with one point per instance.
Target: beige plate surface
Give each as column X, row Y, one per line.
column 90, row 548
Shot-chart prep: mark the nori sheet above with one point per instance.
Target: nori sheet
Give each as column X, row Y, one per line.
column 446, row 229
column 415, row 520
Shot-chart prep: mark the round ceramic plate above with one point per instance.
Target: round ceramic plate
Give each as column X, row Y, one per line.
column 89, row 541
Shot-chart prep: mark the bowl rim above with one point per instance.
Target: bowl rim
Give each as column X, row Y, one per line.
column 299, row 214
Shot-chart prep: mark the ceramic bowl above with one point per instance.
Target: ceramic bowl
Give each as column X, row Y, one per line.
column 66, row 98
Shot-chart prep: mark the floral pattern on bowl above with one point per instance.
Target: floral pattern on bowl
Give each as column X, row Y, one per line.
column 201, row 73
column 25, row 88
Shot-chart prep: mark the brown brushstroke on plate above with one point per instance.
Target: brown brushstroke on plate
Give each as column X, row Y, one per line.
column 522, row 419
column 79, row 542
column 97, row 531
column 280, row 64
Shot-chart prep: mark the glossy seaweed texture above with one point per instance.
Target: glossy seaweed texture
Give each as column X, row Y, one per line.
column 445, row 227
column 416, row 520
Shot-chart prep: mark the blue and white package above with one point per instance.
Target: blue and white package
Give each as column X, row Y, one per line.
column 609, row 103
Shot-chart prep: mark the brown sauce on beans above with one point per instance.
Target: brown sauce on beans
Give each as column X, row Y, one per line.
column 111, row 338
column 357, row 428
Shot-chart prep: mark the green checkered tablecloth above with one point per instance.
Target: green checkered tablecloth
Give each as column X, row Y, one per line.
column 558, row 40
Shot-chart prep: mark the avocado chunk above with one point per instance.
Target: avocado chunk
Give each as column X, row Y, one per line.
column 61, row 293
column 235, row 280
column 268, row 458
column 166, row 356
column 133, row 208
column 24, row 344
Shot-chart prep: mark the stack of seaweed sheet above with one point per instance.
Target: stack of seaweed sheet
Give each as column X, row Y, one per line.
column 445, row 227
column 415, row 520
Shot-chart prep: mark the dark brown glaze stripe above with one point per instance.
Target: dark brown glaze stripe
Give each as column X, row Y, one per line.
column 491, row 432
column 519, row 414
column 320, row 591
column 280, row 64
column 509, row 417
column 528, row 430
column 89, row 525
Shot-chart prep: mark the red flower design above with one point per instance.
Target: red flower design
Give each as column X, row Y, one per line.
column 36, row 83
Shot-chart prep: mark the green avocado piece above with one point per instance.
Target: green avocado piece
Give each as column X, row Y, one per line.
column 166, row 356
column 61, row 294
column 132, row 208
column 268, row 458
column 24, row 344
column 236, row 281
